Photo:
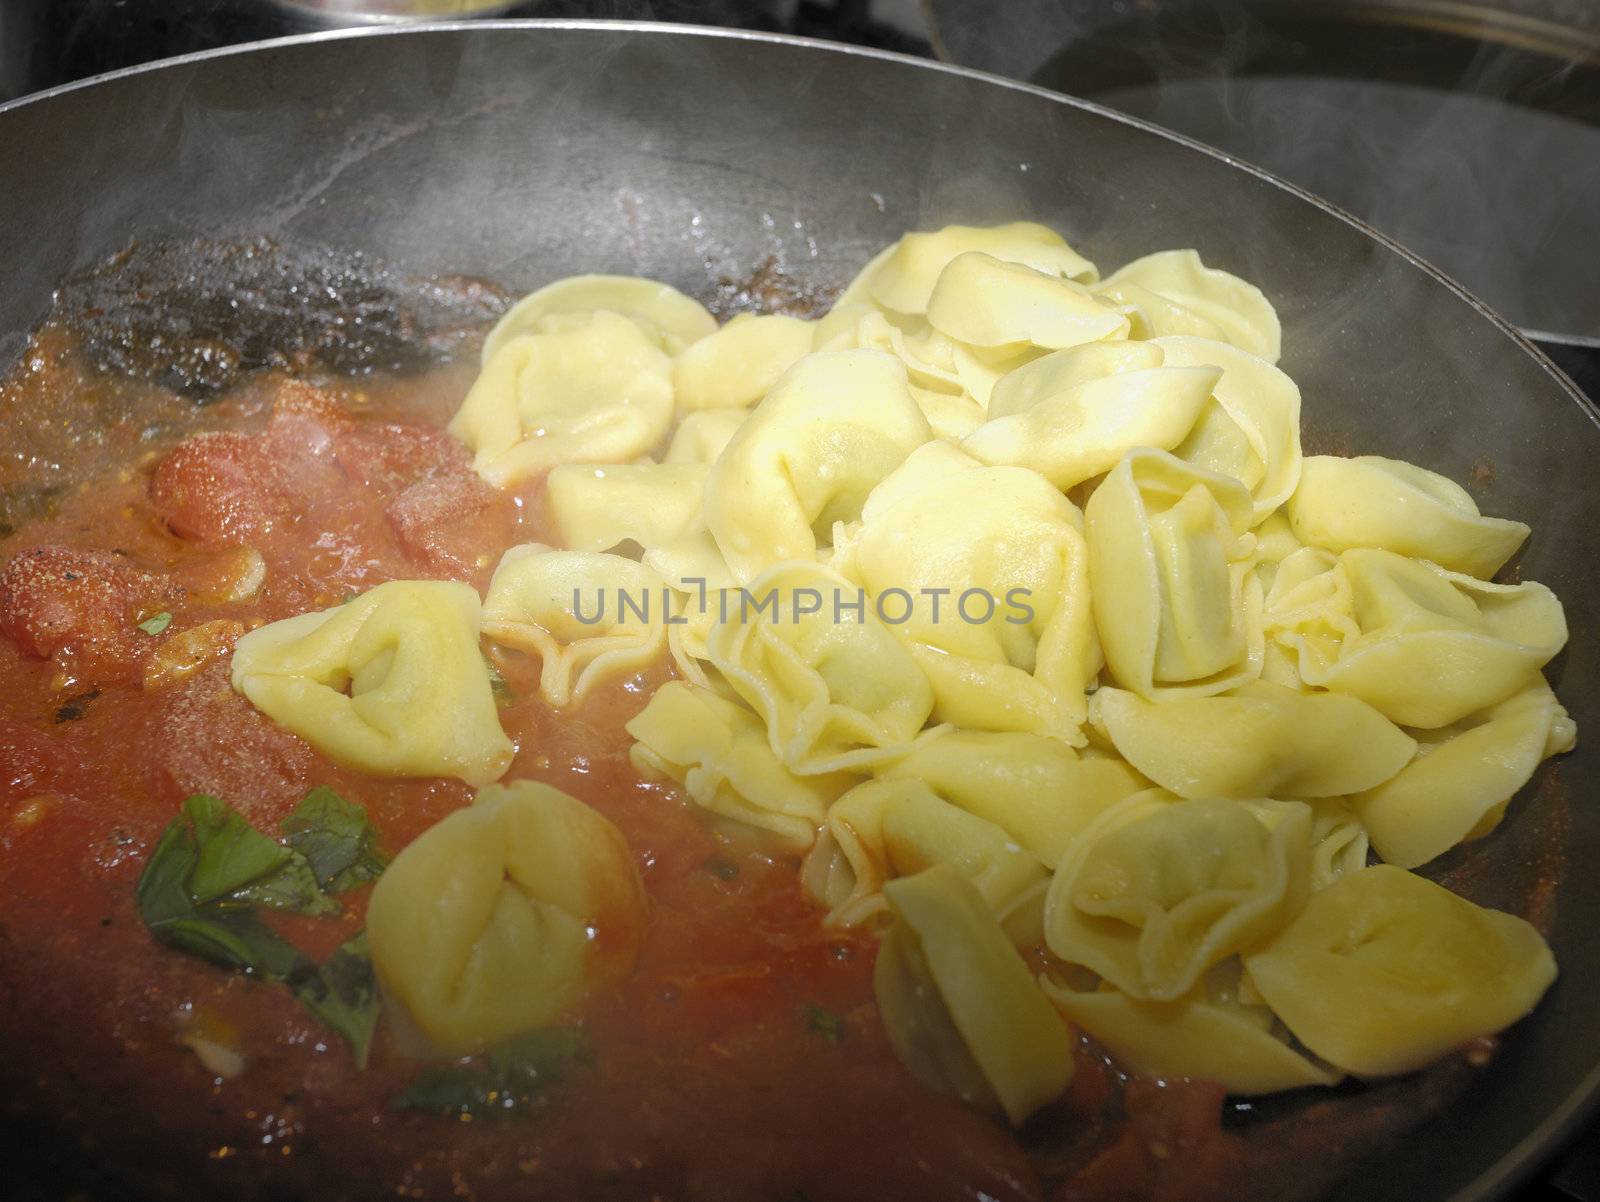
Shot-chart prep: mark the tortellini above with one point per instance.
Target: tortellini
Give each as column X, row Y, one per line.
column 736, row 366
column 1158, row 891
column 990, row 304
column 1384, row 971
column 1173, row 292
column 588, row 617
column 836, row 689
column 958, row 1002
column 702, row 435
column 1168, row 559
column 502, row 917
column 1073, row 414
column 392, row 683
column 1424, row 646
column 903, row 277
column 1370, row 501
column 985, row 568
column 1261, row 740
column 596, row 507
column 1204, row 1036
column 670, row 319
column 1458, row 786
column 889, row 828
column 836, row 424
column 718, row 752
column 592, row 389
column 1037, row 789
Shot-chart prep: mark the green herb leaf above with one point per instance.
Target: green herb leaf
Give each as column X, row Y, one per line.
column 343, row 993
column 337, row 840
column 239, row 866
column 503, row 696
column 825, row 1023
column 723, row 870
column 156, row 624
column 516, row 1074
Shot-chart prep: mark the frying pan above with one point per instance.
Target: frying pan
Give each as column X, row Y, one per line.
column 525, row 151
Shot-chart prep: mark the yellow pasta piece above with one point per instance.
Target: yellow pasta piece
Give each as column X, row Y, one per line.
column 1260, row 740
column 1036, row 789
column 1158, row 891
column 982, row 570
column 902, row 278
column 1384, row 971
column 592, row 390
column 986, row 302
column 502, row 917
column 1174, row 292
column 1073, row 414
column 1458, row 787
column 392, row 683
column 836, row 689
column 669, row 318
column 959, row 1004
column 596, row 507
column 1370, row 501
column 588, row 617
column 835, row 425
column 1168, row 563
column 737, row 366
column 701, row 436
column 718, row 751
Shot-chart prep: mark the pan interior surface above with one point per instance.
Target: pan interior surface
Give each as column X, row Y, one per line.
column 525, row 152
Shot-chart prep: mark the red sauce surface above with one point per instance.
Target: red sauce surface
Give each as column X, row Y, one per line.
column 709, row 1082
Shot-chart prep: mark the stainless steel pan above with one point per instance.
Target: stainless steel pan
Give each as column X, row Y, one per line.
column 526, row 151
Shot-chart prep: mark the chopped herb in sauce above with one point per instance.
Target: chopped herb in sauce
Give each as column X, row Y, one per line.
column 825, row 1023
column 157, row 623
column 336, row 839
column 723, row 870
column 73, row 708
column 509, row 1078
column 210, row 873
column 503, row 696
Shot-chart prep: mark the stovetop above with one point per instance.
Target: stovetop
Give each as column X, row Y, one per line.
column 46, row 42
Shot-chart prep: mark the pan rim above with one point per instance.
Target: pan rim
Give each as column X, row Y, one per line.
column 1562, row 1120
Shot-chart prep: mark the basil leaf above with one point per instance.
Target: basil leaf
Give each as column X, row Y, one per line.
column 825, row 1023
column 237, row 940
column 517, row 1074
column 158, row 623
column 293, row 886
column 336, row 838
column 343, row 993
column 232, row 853
column 163, row 889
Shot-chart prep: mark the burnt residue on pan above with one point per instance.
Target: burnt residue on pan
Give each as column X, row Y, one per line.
column 194, row 316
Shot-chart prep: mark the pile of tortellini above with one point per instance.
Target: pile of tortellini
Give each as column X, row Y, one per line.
column 1103, row 671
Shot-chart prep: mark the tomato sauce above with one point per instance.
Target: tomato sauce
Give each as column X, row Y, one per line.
column 711, row 1078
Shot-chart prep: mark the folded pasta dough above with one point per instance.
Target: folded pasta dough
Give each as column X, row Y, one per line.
column 987, row 568
column 1384, row 971
column 589, row 617
column 594, row 390
column 738, row 365
column 1173, row 292
column 704, row 589
column 1339, row 842
column 1169, row 570
column 1424, row 646
column 959, row 1004
column 988, row 303
column 836, row 689
column 669, row 318
column 902, row 278
column 1073, row 414
column 1198, row 1036
column 1370, row 501
column 1157, row 891
column 883, row 829
column 1251, row 429
column 718, row 751
column 503, row 916
column 836, row 424
column 391, row 683
column 701, row 436
column 596, row 507
column 1259, row 740
column 1036, row 789
column 1464, row 776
